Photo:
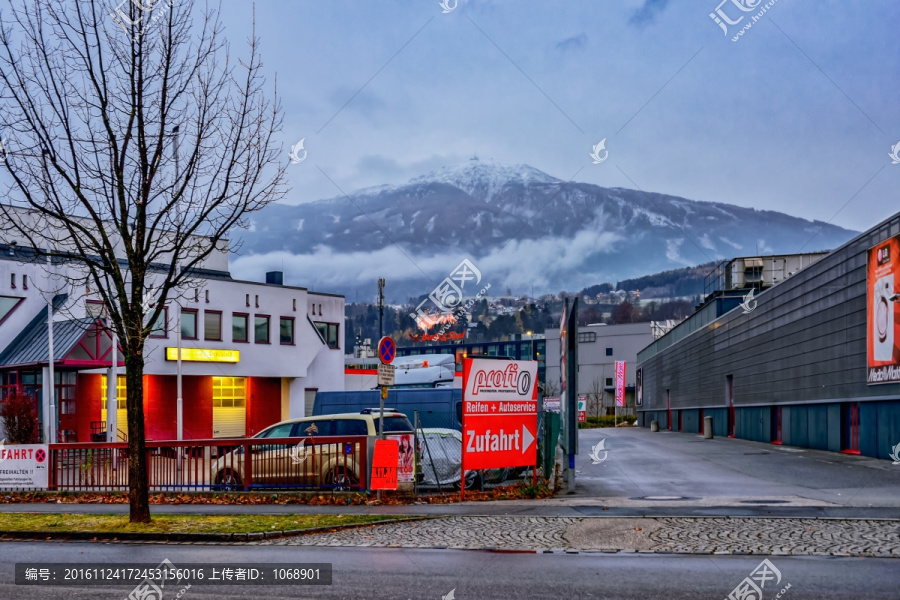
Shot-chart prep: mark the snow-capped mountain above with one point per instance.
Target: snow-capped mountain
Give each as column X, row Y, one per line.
column 521, row 226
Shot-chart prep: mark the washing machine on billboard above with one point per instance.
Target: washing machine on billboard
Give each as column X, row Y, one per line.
column 883, row 325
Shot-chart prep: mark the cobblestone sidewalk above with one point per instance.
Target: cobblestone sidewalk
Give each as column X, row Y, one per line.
column 878, row 538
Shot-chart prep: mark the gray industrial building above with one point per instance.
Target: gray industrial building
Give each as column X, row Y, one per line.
column 599, row 347
column 809, row 360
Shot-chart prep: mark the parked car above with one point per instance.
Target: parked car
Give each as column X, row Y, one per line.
column 308, row 463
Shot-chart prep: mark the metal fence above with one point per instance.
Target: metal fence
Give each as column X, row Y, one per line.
column 307, row 463
column 331, row 463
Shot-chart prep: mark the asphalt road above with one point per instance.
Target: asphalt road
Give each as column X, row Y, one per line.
column 726, row 472
column 376, row 574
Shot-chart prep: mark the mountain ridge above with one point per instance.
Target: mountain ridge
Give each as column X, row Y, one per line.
column 521, row 225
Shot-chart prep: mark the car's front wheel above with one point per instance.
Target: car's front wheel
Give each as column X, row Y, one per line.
column 227, row 481
column 341, row 479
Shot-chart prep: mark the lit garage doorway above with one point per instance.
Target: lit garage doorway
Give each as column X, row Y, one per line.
column 229, row 407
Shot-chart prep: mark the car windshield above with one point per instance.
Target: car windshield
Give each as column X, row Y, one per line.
column 395, row 423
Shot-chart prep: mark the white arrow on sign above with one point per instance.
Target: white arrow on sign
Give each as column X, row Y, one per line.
column 527, row 439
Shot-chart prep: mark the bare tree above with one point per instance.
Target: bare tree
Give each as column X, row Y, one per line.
column 89, row 102
column 595, row 396
column 550, row 389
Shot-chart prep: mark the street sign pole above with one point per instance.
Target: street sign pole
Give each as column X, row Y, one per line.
column 572, row 394
column 387, row 350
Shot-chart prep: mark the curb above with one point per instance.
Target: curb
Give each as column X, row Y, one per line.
column 126, row 536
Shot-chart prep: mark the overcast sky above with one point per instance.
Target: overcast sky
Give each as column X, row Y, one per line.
column 798, row 115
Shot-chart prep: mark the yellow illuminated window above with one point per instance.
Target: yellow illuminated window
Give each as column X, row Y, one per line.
column 229, row 391
column 120, row 391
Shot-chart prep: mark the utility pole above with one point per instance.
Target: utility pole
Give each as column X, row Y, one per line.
column 380, row 307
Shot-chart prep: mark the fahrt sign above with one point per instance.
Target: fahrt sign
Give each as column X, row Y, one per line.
column 24, row 466
column 499, row 413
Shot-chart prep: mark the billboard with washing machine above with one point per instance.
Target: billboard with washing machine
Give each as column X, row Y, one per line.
column 883, row 312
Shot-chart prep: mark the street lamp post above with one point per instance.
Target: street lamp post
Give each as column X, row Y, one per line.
column 179, row 399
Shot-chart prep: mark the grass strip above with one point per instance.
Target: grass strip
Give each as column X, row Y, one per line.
column 221, row 524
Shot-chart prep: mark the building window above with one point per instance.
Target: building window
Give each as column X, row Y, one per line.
column 188, row 324
column 609, row 351
column 212, row 325
column 229, row 392
column 7, row 305
column 587, row 336
column 329, row 333
column 239, row 327
column 121, row 390
column 286, row 330
column 261, row 329
column 609, row 381
column 248, row 300
column 753, row 274
column 160, row 328
column 94, row 309
column 206, row 292
column 12, row 280
column 24, row 282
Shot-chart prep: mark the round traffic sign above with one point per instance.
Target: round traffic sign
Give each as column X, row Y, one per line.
column 387, row 350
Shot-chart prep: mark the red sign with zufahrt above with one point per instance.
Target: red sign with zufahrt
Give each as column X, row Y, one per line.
column 499, row 413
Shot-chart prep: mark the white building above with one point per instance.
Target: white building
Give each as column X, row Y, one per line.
column 599, row 347
column 253, row 353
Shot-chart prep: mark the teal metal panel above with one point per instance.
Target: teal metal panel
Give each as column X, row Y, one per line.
column 868, row 428
column 799, row 426
column 817, row 427
column 888, row 427
column 720, row 420
column 834, row 427
column 765, row 424
column 786, row 435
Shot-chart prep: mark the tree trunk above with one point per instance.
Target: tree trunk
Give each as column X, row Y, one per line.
column 138, row 481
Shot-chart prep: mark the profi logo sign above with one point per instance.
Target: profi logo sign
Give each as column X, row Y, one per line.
column 895, row 454
column 449, row 6
column 502, row 380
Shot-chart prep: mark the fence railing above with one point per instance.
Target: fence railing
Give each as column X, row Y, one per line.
column 333, row 463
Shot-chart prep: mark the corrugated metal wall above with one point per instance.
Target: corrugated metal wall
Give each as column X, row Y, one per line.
column 804, row 345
